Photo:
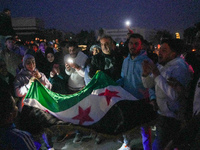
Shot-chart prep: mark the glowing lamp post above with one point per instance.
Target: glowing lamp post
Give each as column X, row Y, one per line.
column 127, row 23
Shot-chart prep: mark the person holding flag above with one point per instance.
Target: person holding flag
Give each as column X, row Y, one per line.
column 24, row 80
column 26, row 76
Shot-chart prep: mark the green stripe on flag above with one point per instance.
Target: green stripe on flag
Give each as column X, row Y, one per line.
column 57, row 102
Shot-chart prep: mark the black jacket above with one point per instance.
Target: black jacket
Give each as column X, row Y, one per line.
column 109, row 64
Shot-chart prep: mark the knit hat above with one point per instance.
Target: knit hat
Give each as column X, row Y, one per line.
column 94, row 46
column 27, row 56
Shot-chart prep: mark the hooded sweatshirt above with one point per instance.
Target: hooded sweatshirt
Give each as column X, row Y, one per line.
column 131, row 76
column 21, row 83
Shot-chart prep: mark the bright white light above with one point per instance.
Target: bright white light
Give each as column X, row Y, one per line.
column 128, row 23
column 70, row 61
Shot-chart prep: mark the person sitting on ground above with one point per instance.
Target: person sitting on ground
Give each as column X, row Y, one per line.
column 10, row 137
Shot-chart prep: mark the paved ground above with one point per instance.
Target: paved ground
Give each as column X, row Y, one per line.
column 89, row 143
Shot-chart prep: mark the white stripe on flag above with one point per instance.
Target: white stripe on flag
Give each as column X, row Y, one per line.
column 98, row 105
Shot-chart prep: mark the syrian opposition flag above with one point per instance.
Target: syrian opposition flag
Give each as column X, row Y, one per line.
column 102, row 105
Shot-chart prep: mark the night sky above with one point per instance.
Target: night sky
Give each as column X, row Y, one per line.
column 74, row 15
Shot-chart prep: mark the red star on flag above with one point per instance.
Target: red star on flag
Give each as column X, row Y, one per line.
column 109, row 94
column 83, row 115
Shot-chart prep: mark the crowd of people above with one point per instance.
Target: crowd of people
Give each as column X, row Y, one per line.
column 168, row 81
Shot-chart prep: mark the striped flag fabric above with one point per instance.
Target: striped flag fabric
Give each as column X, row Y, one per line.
column 101, row 105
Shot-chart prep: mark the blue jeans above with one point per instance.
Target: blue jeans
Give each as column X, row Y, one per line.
column 146, row 138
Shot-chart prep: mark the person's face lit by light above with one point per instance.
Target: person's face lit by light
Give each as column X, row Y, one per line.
column 50, row 57
column 106, row 45
column 30, row 64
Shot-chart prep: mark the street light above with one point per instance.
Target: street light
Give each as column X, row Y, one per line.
column 128, row 23
column 128, row 27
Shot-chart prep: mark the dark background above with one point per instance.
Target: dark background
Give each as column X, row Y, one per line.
column 77, row 15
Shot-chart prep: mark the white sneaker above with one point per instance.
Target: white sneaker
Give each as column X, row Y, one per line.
column 153, row 128
column 124, row 147
column 77, row 138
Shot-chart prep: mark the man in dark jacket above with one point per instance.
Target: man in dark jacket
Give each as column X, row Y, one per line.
column 107, row 60
column 11, row 56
